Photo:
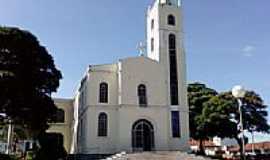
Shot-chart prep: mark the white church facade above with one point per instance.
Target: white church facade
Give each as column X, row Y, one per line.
column 137, row 103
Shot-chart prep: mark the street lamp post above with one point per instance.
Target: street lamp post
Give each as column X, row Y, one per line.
column 9, row 140
column 239, row 92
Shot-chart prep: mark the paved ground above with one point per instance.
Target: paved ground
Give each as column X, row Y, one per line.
column 164, row 156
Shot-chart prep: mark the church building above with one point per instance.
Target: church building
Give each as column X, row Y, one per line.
column 138, row 103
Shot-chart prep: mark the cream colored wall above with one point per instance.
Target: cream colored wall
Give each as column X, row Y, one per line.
column 165, row 31
column 152, row 14
column 100, row 145
column 160, row 33
column 158, row 116
column 164, row 11
column 64, row 128
column 142, row 70
column 120, row 121
column 161, row 30
column 98, row 74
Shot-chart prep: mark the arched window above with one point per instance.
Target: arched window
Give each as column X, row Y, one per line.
column 103, row 92
column 171, row 20
column 142, row 95
column 173, row 70
column 152, row 44
column 152, row 24
column 102, row 125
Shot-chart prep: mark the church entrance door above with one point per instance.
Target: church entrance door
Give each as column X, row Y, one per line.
column 142, row 136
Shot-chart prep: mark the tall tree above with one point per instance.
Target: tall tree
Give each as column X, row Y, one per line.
column 28, row 77
column 198, row 95
column 254, row 115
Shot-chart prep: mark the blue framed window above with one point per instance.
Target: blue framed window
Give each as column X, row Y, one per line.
column 175, row 122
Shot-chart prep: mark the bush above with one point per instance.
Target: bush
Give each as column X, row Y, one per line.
column 51, row 147
column 6, row 157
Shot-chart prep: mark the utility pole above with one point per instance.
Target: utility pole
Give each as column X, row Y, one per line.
column 253, row 141
column 10, row 136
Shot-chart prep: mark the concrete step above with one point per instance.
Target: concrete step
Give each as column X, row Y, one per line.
column 87, row 156
column 164, row 155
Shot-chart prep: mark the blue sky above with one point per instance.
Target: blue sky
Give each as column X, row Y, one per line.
column 226, row 41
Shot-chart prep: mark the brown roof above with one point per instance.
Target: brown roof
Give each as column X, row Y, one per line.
column 207, row 143
column 257, row 146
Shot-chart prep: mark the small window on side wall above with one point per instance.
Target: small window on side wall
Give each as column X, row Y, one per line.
column 152, row 24
column 171, row 20
column 152, row 44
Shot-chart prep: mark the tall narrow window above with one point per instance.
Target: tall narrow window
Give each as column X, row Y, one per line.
column 102, row 125
column 173, row 70
column 142, row 95
column 175, row 124
column 152, row 44
column 152, row 24
column 103, row 92
column 171, row 20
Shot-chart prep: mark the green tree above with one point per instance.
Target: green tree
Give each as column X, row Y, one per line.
column 52, row 149
column 254, row 115
column 28, row 77
column 18, row 132
column 198, row 95
column 222, row 111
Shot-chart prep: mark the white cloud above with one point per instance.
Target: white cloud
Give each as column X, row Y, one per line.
column 248, row 50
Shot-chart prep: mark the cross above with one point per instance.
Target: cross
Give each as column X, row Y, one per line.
column 141, row 48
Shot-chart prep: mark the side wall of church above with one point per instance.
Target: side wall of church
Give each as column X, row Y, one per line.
column 98, row 74
column 64, row 128
column 90, row 143
column 94, row 143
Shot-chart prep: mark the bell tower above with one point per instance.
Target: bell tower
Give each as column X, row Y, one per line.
column 165, row 45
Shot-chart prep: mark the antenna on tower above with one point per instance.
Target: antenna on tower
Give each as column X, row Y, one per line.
column 141, row 48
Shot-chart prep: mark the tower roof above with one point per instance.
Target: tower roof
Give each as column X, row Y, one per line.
column 170, row 2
